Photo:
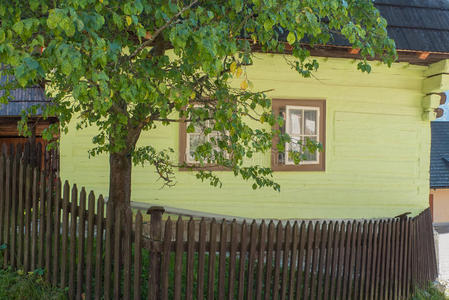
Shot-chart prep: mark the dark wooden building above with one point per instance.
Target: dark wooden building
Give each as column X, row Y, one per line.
column 11, row 140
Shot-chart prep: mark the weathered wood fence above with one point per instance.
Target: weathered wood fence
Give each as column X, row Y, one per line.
column 32, row 153
column 98, row 253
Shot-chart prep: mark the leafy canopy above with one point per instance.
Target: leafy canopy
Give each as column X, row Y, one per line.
column 129, row 66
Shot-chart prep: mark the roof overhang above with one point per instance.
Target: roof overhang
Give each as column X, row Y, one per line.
column 423, row 58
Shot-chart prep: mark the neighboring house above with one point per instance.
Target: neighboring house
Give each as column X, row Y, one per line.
column 439, row 172
column 10, row 114
column 375, row 129
column 19, row 100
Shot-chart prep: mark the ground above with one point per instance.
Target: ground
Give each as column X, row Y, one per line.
column 443, row 256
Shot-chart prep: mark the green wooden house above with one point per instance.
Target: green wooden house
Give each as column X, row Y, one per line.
column 375, row 129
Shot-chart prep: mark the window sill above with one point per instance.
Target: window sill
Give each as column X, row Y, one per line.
column 298, row 168
column 203, row 168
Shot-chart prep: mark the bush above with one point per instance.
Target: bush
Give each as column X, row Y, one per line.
column 19, row 286
column 429, row 293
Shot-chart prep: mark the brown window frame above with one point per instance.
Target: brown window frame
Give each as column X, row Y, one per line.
column 321, row 166
column 182, row 153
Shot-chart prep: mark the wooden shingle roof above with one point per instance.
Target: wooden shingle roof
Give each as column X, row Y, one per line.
column 420, row 29
column 415, row 25
column 21, row 99
column 419, row 25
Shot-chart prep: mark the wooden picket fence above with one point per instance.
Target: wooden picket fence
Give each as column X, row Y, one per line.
column 99, row 253
column 33, row 153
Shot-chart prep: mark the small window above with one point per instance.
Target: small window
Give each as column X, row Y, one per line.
column 189, row 141
column 304, row 121
column 196, row 138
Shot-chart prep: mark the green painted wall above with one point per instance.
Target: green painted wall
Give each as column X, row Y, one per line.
column 377, row 150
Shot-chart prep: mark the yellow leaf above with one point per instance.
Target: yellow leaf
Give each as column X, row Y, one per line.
column 128, row 20
column 233, row 67
column 192, row 95
column 244, row 85
column 239, row 72
column 254, row 39
column 101, row 1
column 291, row 38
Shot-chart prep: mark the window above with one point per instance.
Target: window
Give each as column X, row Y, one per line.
column 304, row 120
column 196, row 138
column 189, row 141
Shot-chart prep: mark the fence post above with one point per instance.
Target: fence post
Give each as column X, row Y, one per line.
column 154, row 283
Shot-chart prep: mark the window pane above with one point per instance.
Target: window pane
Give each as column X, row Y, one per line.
column 283, row 116
column 199, row 128
column 310, row 122
column 213, row 139
column 293, row 146
column 309, row 156
column 295, row 120
column 194, row 141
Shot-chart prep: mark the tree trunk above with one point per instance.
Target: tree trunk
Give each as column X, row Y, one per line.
column 120, row 191
column 120, row 180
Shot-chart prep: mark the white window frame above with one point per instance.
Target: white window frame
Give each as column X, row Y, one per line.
column 214, row 133
column 299, row 136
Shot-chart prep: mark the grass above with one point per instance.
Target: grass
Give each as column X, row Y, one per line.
column 17, row 286
column 429, row 293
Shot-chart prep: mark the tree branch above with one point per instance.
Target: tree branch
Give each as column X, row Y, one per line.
column 178, row 120
column 160, row 29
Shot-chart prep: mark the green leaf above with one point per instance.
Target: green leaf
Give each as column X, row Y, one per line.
column 22, row 81
column 238, row 5
column 127, row 9
column 54, row 19
column 268, row 24
column 2, row 35
column 34, row 4
column 18, row 27
column 68, row 26
column 291, row 38
column 66, row 67
column 39, row 272
column 117, row 20
column 79, row 24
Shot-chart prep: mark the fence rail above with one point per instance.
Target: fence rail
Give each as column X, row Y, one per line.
column 98, row 252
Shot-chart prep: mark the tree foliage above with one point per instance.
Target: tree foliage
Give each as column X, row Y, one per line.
column 129, row 66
